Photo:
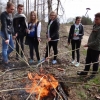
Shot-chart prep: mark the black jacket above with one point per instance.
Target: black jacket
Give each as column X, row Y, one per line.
column 71, row 32
column 19, row 24
column 54, row 29
column 6, row 24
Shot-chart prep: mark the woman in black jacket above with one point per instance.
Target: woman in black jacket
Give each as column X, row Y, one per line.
column 52, row 35
column 75, row 37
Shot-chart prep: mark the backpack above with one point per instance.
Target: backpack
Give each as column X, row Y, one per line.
column 33, row 28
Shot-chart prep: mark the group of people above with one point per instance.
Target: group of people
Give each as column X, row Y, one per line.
column 17, row 28
column 75, row 38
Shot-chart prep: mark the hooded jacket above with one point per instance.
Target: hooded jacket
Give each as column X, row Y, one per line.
column 20, row 24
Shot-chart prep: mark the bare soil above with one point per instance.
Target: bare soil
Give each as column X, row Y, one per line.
column 64, row 71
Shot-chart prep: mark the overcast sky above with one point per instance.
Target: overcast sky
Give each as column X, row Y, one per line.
column 75, row 8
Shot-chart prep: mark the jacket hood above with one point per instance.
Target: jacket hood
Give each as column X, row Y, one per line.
column 19, row 15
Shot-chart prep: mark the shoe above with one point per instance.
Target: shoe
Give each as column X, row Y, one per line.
column 31, row 61
column 77, row 64
column 54, row 61
column 8, row 65
column 82, row 73
column 73, row 62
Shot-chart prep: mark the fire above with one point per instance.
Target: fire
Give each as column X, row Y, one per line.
column 46, row 85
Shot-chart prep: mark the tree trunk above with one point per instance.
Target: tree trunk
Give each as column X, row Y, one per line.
column 26, row 8
column 34, row 5
column 37, row 7
column 58, row 6
column 49, row 7
column 43, row 10
column 15, row 3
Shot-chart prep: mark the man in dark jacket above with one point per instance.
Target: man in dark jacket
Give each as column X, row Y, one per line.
column 20, row 26
column 93, row 50
column 6, row 33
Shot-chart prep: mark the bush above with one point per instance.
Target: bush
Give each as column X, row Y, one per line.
column 86, row 21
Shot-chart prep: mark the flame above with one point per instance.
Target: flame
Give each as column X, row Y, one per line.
column 48, row 82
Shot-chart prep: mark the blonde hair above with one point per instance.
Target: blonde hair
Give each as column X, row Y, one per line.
column 53, row 12
column 36, row 17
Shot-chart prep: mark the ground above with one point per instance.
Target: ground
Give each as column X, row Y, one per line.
column 78, row 87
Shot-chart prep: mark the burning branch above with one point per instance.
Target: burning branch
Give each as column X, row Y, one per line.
column 35, row 88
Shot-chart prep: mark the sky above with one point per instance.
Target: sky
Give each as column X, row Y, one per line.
column 75, row 8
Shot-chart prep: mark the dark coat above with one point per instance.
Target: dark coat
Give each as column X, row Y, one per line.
column 54, row 29
column 6, row 24
column 71, row 32
column 19, row 24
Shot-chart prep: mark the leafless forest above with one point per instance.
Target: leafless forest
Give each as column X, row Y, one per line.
column 47, row 81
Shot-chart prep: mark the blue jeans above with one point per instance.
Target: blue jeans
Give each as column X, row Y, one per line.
column 6, row 49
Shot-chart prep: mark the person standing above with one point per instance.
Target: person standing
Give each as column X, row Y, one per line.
column 75, row 37
column 93, row 50
column 52, row 35
column 20, row 26
column 7, row 32
column 33, row 36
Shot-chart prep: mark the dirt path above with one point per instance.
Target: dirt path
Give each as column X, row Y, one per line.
column 85, row 40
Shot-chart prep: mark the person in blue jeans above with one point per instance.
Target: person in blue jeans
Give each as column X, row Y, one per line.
column 7, row 32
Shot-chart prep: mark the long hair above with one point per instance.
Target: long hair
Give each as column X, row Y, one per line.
column 36, row 18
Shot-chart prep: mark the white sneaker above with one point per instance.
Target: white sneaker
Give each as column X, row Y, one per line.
column 73, row 61
column 54, row 61
column 77, row 64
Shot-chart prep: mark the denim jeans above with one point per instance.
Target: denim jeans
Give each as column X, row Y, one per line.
column 6, row 49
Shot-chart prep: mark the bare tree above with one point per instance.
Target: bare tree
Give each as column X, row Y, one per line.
column 43, row 16
column 49, row 7
column 26, row 8
column 58, row 5
column 35, row 5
